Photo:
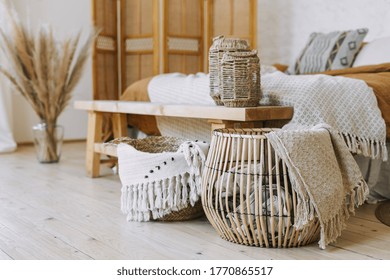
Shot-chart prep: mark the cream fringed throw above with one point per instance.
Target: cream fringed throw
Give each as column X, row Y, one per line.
column 325, row 176
column 155, row 184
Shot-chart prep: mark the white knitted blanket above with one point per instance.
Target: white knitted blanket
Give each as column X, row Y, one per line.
column 155, row 184
column 325, row 176
column 347, row 105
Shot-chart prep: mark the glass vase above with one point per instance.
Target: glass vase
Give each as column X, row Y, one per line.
column 48, row 140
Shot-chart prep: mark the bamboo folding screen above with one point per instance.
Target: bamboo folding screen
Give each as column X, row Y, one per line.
column 182, row 36
column 232, row 18
column 161, row 36
column 105, row 55
column 138, row 40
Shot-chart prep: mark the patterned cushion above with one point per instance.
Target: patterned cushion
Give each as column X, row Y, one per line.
column 331, row 51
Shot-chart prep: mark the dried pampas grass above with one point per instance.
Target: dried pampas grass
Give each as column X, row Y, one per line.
column 44, row 70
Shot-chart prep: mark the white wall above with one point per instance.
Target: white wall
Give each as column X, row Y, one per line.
column 285, row 25
column 66, row 17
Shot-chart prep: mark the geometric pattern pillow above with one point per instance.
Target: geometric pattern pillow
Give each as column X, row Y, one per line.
column 331, row 51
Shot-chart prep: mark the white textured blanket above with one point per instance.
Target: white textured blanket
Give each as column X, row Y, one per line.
column 155, row 184
column 325, row 176
column 347, row 105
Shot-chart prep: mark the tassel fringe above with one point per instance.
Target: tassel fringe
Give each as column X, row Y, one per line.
column 159, row 198
column 153, row 200
column 369, row 148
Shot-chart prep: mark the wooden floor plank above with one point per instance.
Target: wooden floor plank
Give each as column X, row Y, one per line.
column 74, row 217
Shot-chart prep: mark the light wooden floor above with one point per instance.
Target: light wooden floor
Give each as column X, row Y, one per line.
column 53, row 211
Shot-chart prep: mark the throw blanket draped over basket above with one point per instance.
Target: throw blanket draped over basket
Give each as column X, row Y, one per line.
column 325, row 176
column 156, row 183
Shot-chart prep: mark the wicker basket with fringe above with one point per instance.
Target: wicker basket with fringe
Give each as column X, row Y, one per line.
column 240, row 79
column 151, row 187
column 247, row 195
column 220, row 46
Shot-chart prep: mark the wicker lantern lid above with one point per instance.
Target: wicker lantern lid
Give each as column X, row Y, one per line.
column 221, row 43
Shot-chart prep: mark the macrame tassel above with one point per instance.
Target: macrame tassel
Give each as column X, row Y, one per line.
column 362, row 192
column 351, row 204
column 164, row 187
column 140, row 216
column 125, row 199
column 130, row 215
column 158, row 195
column 177, row 198
column 349, row 144
column 193, row 192
column 145, row 198
column 184, row 190
column 171, row 189
column 135, row 197
column 384, row 151
column 151, row 196
column 146, row 216
column 140, row 197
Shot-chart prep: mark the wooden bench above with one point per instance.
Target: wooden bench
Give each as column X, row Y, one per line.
column 217, row 116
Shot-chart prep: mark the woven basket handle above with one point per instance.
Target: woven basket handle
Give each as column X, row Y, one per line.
column 218, row 38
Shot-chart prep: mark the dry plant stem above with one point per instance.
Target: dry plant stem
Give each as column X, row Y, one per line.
column 51, row 143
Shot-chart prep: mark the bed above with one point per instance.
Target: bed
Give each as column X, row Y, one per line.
column 371, row 65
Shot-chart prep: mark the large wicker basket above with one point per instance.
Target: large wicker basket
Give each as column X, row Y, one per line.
column 149, row 148
column 220, row 46
column 240, row 79
column 247, row 195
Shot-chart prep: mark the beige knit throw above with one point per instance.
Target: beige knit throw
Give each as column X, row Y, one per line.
column 325, row 176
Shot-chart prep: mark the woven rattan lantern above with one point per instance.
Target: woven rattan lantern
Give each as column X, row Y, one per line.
column 247, row 195
column 220, row 46
column 240, row 79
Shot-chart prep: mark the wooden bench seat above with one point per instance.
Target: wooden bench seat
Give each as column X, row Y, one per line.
column 217, row 116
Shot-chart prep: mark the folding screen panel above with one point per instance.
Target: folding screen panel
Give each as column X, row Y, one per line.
column 183, row 36
column 232, row 18
column 139, row 32
column 105, row 54
column 105, row 57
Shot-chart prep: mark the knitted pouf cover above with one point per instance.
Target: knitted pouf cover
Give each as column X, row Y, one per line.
column 159, row 175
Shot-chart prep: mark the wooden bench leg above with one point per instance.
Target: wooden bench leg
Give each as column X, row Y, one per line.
column 95, row 121
column 119, row 125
